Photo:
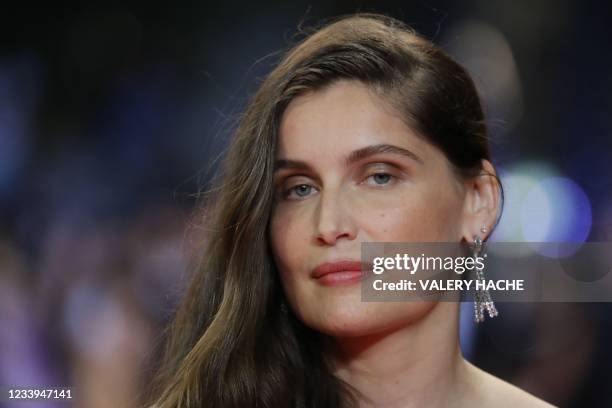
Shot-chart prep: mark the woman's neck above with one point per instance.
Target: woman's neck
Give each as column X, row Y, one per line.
column 416, row 365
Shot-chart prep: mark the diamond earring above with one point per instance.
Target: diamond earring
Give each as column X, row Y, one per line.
column 482, row 297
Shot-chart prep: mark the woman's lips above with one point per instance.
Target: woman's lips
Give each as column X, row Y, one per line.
column 338, row 273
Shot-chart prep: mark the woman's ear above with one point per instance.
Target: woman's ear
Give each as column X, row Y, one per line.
column 482, row 203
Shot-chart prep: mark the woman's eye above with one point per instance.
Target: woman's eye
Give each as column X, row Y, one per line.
column 380, row 178
column 302, row 190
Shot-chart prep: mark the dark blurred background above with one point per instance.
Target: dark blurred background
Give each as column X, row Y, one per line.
column 112, row 118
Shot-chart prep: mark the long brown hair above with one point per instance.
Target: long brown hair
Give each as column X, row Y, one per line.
column 232, row 344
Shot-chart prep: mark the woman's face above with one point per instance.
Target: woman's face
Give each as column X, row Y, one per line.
column 350, row 171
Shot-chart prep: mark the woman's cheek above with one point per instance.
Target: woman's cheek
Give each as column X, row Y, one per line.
column 289, row 239
column 391, row 215
column 415, row 210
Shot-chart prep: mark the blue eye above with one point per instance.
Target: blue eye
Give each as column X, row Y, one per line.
column 302, row 190
column 381, row 178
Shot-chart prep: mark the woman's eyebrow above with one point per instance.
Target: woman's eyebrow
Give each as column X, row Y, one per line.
column 368, row 151
column 282, row 164
column 353, row 157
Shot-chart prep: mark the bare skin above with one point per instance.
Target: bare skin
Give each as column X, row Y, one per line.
column 396, row 354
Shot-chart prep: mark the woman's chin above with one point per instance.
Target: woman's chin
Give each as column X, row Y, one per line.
column 367, row 318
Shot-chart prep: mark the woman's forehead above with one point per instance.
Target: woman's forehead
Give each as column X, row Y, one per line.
column 342, row 117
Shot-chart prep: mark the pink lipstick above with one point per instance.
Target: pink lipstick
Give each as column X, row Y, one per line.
column 338, row 273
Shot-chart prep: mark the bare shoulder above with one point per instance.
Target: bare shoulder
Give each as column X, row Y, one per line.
column 491, row 391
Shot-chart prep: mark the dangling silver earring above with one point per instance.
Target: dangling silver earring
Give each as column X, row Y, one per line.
column 482, row 297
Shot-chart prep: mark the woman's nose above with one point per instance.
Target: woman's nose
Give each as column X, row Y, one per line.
column 333, row 219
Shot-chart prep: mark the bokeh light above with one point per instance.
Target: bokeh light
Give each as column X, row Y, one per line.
column 556, row 209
